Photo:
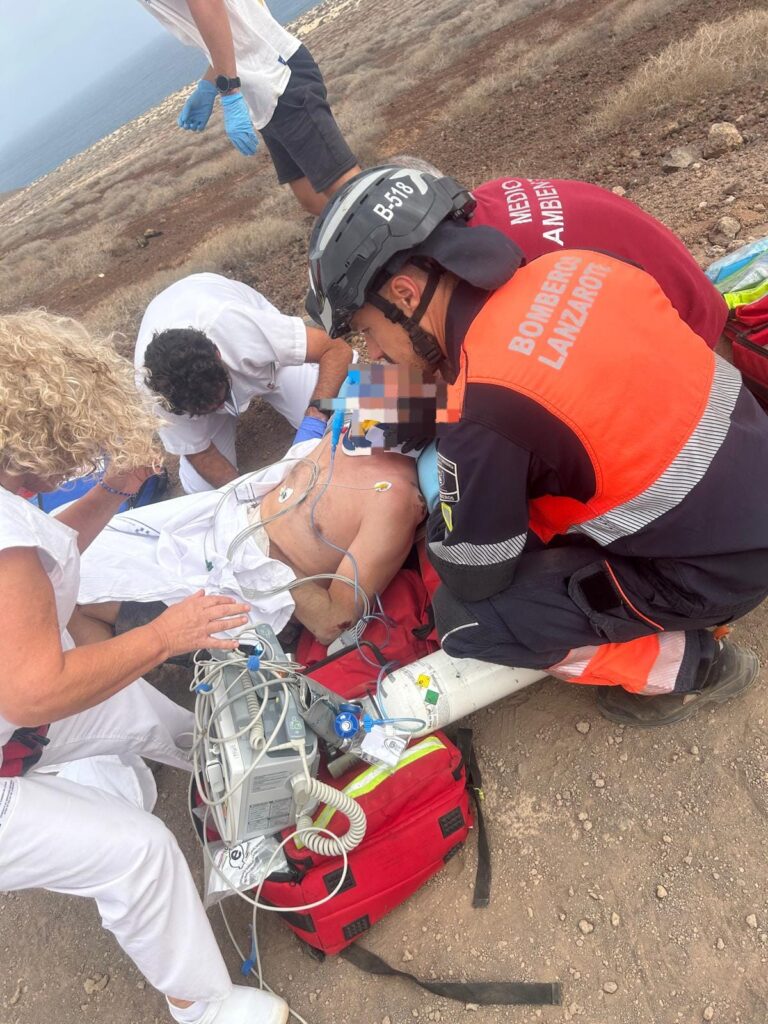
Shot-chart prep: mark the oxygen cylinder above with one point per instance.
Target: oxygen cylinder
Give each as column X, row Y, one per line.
column 438, row 689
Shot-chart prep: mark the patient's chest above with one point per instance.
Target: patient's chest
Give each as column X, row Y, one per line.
column 377, row 485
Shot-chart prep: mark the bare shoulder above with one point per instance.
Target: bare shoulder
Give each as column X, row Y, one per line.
column 392, row 498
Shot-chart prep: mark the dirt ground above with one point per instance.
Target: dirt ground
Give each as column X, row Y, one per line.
column 629, row 865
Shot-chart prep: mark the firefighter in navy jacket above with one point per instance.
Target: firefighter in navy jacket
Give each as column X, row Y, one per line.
column 603, row 474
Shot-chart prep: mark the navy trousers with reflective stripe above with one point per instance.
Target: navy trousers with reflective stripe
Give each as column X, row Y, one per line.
column 564, row 598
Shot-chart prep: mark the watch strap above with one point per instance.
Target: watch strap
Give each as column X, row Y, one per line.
column 315, row 404
column 225, row 84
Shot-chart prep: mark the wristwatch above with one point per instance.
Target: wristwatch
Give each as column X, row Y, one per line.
column 224, row 84
column 316, row 405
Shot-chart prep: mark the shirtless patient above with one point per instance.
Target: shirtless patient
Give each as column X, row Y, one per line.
column 376, row 525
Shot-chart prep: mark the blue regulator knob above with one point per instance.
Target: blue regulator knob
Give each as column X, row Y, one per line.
column 347, row 721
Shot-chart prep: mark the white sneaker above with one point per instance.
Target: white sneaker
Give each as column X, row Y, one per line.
column 247, row 1006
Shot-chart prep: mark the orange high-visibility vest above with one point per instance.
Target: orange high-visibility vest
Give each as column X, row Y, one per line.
column 597, row 344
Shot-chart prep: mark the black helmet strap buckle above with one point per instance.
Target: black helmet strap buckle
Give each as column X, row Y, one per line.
column 424, row 344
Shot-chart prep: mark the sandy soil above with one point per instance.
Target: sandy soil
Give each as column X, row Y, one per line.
column 586, row 823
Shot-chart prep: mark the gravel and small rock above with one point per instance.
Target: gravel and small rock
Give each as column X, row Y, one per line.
column 679, row 158
column 721, row 138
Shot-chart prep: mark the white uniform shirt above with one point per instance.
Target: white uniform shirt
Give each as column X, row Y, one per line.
column 24, row 526
column 253, row 337
column 262, row 46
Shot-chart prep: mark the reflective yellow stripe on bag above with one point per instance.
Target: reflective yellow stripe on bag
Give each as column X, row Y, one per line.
column 746, row 296
column 373, row 777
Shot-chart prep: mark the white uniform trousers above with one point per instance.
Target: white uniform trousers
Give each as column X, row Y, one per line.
column 290, row 396
column 75, row 839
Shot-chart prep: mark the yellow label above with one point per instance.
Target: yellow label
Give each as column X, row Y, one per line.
column 447, row 515
column 423, row 680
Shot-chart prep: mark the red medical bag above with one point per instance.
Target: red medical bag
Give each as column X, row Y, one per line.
column 418, row 817
column 404, row 635
column 747, row 329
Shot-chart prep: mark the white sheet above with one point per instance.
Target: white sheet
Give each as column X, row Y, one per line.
column 167, row 551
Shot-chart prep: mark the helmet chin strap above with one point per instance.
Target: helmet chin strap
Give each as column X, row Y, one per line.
column 424, row 344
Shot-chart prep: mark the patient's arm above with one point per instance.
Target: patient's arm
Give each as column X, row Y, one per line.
column 379, row 549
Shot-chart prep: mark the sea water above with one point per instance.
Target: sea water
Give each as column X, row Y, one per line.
column 125, row 93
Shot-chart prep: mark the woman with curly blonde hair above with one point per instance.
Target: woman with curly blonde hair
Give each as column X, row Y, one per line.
column 68, row 403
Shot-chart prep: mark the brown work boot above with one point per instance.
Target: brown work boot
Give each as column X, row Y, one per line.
column 733, row 670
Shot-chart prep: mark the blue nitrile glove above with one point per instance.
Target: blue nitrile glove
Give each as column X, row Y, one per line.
column 426, row 467
column 310, row 426
column 237, row 123
column 196, row 111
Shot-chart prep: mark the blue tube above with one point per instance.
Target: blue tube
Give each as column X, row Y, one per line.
column 337, row 425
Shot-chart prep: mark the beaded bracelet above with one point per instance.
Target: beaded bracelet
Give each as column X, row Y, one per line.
column 113, row 490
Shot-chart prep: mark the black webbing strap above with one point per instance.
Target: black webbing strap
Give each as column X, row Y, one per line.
column 372, row 647
column 741, row 336
column 484, row 993
column 424, row 344
column 482, row 894
column 23, row 750
column 422, row 632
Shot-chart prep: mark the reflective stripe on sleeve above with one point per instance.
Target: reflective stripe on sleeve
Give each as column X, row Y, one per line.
column 648, row 665
column 682, row 474
column 574, row 665
column 466, row 553
column 663, row 674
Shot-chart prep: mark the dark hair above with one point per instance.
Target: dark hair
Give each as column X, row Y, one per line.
column 183, row 366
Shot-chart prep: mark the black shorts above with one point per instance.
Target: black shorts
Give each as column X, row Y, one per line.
column 137, row 613
column 302, row 136
column 133, row 614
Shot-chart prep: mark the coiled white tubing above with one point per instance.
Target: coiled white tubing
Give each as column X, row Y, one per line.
column 326, row 846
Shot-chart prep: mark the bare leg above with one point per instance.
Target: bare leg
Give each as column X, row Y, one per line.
column 314, row 202
column 336, row 185
column 93, row 623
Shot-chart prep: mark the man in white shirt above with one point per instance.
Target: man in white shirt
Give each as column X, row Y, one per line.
column 207, row 346
column 265, row 79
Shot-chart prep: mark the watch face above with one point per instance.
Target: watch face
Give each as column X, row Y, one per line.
column 224, row 84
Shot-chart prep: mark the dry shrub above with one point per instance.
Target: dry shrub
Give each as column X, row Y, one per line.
column 359, row 114
column 476, row 98
column 49, row 263
column 556, row 48
column 229, row 251
column 514, row 64
column 489, row 16
column 121, row 312
column 643, row 14
column 444, row 32
column 218, row 167
column 717, row 57
column 122, row 198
